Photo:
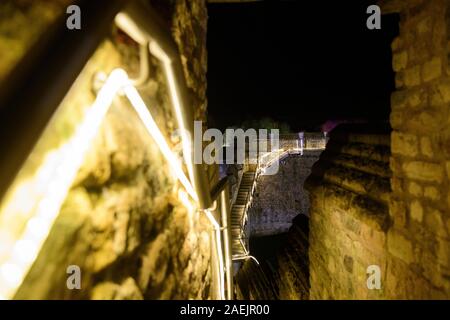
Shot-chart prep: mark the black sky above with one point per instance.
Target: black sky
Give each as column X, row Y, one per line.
column 301, row 62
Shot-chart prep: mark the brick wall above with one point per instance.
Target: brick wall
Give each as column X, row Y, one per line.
column 364, row 214
column 418, row 242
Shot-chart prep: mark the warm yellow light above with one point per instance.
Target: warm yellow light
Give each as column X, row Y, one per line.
column 152, row 128
column 221, row 273
column 174, row 90
column 54, row 178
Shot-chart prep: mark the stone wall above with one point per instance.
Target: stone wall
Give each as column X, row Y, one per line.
column 365, row 213
column 279, row 234
column 419, row 240
column 279, row 198
column 123, row 222
column 349, row 192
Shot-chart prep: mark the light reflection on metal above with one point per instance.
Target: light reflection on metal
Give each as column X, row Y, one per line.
column 226, row 222
column 145, row 28
column 221, row 273
column 141, row 23
column 245, row 257
column 151, row 126
column 59, row 167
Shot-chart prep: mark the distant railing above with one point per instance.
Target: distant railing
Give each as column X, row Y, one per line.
column 286, row 145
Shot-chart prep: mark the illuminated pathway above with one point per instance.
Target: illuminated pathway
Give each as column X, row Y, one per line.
column 240, row 233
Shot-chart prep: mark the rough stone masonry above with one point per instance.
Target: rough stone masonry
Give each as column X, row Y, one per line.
column 122, row 222
column 402, row 224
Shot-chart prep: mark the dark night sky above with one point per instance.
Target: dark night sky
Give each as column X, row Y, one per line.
column 301, row 62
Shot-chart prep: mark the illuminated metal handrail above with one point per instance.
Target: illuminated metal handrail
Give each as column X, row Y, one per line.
column 220, row 192
column 145, row 27
column 139, row 20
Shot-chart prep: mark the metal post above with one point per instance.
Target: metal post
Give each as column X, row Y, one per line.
column 226, row 222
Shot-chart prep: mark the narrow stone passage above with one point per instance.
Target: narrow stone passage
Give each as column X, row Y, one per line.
column 224, row 149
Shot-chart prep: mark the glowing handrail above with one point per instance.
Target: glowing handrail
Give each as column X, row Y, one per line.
column 63, row 172
column 144, row 27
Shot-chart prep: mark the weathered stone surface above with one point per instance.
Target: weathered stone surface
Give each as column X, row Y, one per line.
column 420, row 109
column 415, row 189
column 397, row 212
column 416, row 211
column 412, row 76
column 424, row 171
column 426, row 147
column 400, row 247
column 432, row 193
column 122, row 222
column 432, row 69
column 404, row 144
column 348, row 227
column 400, row 61
column 128, row 290
column 281, row 197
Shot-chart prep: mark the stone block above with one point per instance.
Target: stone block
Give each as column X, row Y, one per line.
column 399, row 246
column 432, row 69
column 399, row 99
column 443, row 253
column 424, row 171
column 397, row 43
column 415, row 189
column 399, row 80
column 427, row 121
column 397, row 185
column 431, row 269
column 396, row 119
column 404, row 144
column 426, row 147
column 416, row 211
column 400, row 61
column 440, row 92
column 432, row 193
column 412, row 76
column 435, row 223
column 395, row 164
column 417, row 98
column 397, row 211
